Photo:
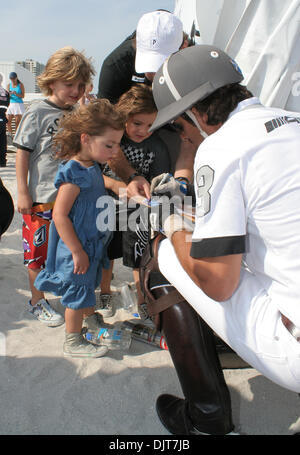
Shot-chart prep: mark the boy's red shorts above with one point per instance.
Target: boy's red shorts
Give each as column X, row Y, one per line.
column 35, row 235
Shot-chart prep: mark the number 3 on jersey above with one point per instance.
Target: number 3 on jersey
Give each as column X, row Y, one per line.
column 204, row 180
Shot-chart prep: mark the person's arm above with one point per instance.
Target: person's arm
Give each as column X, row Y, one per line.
column 185, row 160
column 22, row 166
column 66, row 197
column 22, row 91
column 138, row 185
column 121, row 166
column 113, row 184
column 218, row 277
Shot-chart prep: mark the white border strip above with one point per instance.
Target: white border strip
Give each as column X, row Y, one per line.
column 169, row 81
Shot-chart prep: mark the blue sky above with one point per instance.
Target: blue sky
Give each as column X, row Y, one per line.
column 35, row 29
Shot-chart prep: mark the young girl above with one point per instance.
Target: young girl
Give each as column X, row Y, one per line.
column 77, row 249
column 148, row 156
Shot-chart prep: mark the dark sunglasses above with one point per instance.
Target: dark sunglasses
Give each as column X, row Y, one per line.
column 187, row 118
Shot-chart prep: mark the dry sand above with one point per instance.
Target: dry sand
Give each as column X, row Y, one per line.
column 43, row 393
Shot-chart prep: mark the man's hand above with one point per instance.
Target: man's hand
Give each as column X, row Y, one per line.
column 176, row 223
column 166, row 184
column 169, row 218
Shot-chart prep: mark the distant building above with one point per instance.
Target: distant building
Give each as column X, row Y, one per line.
column 36, row 68
column 24, row 75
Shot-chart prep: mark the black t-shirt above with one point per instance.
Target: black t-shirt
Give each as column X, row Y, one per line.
column 118, row 73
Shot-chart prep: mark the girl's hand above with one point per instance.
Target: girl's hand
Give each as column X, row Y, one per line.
column 139, row 186
column 116, row 186
column 81, row 262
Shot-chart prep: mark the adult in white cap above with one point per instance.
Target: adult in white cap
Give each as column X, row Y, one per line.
column 158, row 35
column 136, row 60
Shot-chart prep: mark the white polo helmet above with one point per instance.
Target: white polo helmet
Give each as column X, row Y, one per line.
column 188, row 76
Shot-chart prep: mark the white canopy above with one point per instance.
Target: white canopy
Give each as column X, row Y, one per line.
column 263, row 36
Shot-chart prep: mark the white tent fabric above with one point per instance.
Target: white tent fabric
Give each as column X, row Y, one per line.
column 263, row 36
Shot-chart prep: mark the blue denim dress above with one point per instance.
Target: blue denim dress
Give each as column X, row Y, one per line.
column 77, row 291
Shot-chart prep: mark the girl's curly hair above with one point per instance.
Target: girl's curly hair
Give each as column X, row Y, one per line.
column 92, row 119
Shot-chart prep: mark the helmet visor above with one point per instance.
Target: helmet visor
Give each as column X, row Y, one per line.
column 188, row 76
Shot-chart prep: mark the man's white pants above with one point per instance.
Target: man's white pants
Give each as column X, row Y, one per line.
column 248, row 322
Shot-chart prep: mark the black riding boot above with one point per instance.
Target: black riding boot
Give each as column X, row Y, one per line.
column 207, row 405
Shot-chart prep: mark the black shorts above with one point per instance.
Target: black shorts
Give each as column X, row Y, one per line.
column 130, row 237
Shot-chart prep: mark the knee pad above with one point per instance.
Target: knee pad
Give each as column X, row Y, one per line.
column 158, row 293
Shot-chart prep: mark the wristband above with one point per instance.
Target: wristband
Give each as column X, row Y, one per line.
column 182, row 179
column 131, row 177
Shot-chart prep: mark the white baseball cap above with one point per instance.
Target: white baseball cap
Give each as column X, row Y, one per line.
column 158, row 35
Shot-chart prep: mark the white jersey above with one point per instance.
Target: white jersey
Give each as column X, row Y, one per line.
column 247, row 182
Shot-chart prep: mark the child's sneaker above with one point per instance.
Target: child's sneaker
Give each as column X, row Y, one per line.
column 105, row 304
column 75, row 345
column 45, row 313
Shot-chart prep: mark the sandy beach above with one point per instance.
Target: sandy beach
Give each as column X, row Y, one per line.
column 44, row 393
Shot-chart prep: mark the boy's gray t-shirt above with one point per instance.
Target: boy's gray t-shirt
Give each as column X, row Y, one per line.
column 35, row 134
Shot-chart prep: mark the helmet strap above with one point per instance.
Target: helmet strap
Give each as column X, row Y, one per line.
column 193, row 117
column 177, row 95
